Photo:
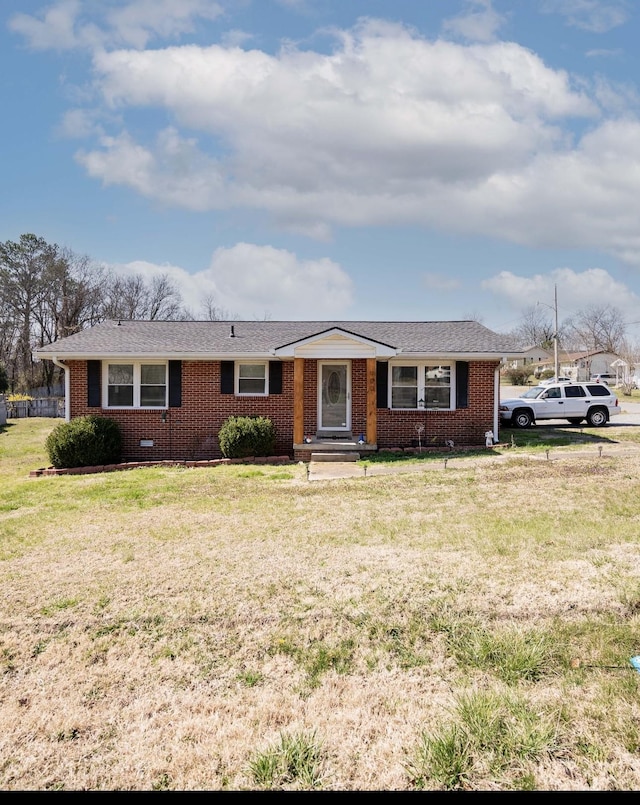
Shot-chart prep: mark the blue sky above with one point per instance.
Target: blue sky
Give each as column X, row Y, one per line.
column 303, row 159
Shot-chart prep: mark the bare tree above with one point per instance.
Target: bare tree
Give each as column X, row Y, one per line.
column 132, row 298
column 22, row 269
column 70, row 301
column 598, row 327
column 164, row 300
column 72, row 296
column 211, row 312
column 536, row 329
column 125, row 297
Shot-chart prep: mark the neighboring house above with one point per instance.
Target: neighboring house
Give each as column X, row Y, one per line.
column 172, row 384
column 536, row 358
column 583, row 365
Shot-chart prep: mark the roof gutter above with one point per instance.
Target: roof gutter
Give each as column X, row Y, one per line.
column 67, row 388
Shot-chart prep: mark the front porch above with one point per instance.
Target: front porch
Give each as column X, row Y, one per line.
column 332, row 448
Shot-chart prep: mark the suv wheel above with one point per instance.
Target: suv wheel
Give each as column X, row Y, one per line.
column 597, row 417
column 522, row 418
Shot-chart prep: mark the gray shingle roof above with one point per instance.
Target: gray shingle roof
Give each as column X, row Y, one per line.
column 210, row 339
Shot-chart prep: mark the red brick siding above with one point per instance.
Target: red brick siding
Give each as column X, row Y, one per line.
column 465, row 426
column 190, row 432
column 359, row 397
column 310, row 414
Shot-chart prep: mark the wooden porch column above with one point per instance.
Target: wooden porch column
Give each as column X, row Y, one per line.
column 372, row 417
column 298, row 400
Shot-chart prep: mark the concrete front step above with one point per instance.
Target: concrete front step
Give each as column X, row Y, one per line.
column 335, row 456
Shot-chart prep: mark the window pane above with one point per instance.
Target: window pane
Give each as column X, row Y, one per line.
column 120, row 385
column 404, row 376
column 402, row 397
column 404, row 386
column 437, row 386
column 251, row 370
column 251, row 378
column 120, row 374
column 250, row 386
column 120, row 395
column 153, row 395
column 152, row 373
column 437, row 375
column 437, row 397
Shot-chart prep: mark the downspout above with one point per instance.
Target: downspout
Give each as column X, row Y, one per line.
column 496, row 404
column 67, row 388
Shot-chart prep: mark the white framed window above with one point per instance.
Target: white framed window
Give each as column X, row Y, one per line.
column 251, row 379
column 421, row 386
column 135, row 384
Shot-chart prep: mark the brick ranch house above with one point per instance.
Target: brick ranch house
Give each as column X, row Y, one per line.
column 171, row 384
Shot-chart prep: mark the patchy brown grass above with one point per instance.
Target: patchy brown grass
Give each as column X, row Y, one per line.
column 237, row 628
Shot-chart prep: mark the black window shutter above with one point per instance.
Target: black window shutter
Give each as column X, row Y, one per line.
column 275, row 377
column 94, row 370
column 175, row 384
column 226, row 377
column 382, row 385
column 462, row 384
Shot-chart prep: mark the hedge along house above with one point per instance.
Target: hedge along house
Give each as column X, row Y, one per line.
column 367, row 384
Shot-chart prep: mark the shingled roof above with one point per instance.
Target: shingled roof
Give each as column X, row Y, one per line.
column 222, row 339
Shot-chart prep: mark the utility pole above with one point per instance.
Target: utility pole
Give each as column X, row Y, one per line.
column 555, row 335
column 556, row 361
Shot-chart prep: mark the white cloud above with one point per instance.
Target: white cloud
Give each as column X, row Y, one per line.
column 388, row 129
column 254, row 282
column 54, row 28
column 78, row 123
column 479, row 22
column 576, row 290
column 64, row 26
column 595, row 16
column 137, row 22
column 174, row 172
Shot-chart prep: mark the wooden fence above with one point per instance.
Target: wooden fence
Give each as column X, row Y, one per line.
column 41, row 406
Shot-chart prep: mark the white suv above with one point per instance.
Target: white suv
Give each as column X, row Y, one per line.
column 575, row 402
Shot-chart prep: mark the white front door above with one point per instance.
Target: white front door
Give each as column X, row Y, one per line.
column 334, row 396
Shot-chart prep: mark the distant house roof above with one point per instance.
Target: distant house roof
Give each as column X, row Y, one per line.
column 536, row 348
column 202, row 340
column 579, row 356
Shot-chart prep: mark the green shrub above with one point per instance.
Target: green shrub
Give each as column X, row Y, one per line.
column 517, row 375
column 243, row 436
column 87, row 441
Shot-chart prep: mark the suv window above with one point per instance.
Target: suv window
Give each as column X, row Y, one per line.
column 597, row 390
column 553, row 393
column 574, row 391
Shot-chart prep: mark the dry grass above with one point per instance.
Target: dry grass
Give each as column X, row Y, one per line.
column 242, row 628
